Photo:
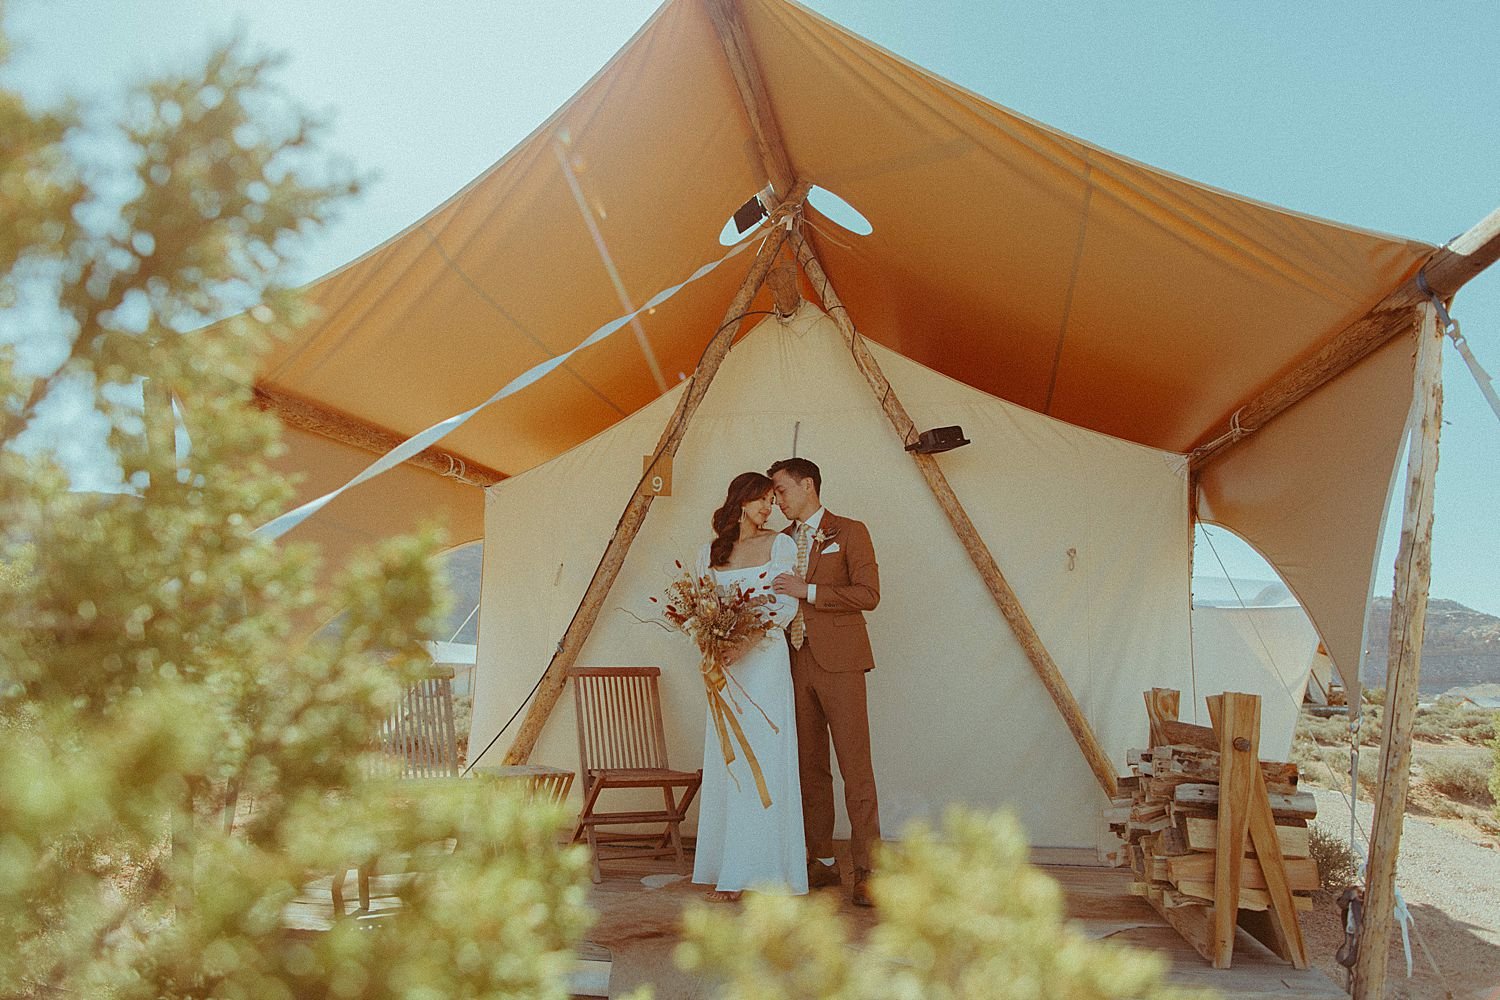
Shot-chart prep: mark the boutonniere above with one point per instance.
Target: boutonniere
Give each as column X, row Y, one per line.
column 822, row 537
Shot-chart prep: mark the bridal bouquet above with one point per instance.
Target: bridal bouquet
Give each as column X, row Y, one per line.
column 722, row 621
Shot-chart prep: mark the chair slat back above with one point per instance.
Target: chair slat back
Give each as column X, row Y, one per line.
column 619, row 717
column 418, row 740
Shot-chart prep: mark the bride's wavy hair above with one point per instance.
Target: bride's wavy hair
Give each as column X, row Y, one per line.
column 743, row 488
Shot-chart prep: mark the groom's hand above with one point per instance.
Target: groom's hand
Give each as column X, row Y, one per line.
column 791, row 585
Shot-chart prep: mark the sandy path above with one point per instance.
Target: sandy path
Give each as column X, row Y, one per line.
column 1452, row 887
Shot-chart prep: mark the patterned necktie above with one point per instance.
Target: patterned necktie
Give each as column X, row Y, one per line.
column 797, row 630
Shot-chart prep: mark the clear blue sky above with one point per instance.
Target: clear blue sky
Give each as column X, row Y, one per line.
column 1378, row 114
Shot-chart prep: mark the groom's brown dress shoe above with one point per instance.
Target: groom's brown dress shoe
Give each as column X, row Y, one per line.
column 820, row 876
column 859, row 892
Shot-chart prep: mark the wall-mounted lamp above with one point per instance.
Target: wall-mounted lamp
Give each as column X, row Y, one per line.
column 938, row 439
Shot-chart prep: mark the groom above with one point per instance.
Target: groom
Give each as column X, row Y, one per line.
column 836, row 579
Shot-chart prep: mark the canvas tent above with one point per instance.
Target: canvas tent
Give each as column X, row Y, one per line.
column 1021, row 261
column 1096, row 528
column 1284, row 355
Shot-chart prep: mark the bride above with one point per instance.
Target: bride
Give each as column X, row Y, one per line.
column 742, row 844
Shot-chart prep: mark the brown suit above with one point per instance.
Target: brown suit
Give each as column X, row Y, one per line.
column 828, row 677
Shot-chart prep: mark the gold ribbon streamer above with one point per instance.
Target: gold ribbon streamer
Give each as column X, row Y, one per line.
column 715, row 683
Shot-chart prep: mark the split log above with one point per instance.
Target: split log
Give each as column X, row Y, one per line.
column 1302, row 873
column 1302, row 805
column 1202, row 894
column 1202, row 835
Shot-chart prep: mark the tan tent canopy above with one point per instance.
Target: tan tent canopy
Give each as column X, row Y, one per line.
column 1009, row 256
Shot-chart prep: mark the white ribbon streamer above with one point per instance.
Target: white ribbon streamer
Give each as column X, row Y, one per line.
column 425, row 439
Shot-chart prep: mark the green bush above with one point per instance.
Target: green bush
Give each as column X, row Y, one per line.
column 962, row 915
column 150, row 662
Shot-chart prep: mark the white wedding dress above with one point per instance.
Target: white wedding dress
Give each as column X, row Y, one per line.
column 742, row 844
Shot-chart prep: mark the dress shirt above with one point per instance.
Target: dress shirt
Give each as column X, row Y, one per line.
column 812, row 523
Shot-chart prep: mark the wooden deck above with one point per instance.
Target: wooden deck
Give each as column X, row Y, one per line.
column 640, row 903
column 638, row 924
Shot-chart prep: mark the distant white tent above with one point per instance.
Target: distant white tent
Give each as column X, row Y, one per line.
column 1253, row 636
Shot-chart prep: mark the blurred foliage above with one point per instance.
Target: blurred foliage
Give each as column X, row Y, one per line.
column 962, row 915
column 152, row 667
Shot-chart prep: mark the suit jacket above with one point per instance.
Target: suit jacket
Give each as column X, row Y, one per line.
column 848, row 582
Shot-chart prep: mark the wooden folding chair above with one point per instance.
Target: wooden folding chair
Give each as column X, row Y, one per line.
column 417, row 740
column 623, row 744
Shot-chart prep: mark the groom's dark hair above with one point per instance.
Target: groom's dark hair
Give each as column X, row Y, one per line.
column 799, row 469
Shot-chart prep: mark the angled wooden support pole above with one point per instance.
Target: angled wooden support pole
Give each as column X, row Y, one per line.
column 551, row 685
column 1408, row 623
column 745, row 68
column 989, row 571
column 1444, row 273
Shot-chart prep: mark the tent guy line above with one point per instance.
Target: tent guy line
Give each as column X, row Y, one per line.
column 422, row 440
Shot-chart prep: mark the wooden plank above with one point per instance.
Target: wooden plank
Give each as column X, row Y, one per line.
column 1250, row 899
column 989, row 571
column 1202, row 833
column 304, row 414
column 1408, row 623
column 1302, row 873
column 1446, row 271
column 1238, row 725
column 1200, row 796
column 1194, row 924
column 1283, row 931
column 1189, row 735
column 551, row 685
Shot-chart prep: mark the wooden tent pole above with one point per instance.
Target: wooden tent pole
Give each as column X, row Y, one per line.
column 745, row 69
column 1408, row 622
column 551, row 685
column 984, row 562
column 306, row 415
column 1445, row 273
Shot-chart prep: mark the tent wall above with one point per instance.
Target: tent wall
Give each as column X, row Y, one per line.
column 1091, row 531
column 398, row 502
column 1309, row 492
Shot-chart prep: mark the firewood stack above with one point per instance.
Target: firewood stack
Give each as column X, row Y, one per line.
column 1168, row 819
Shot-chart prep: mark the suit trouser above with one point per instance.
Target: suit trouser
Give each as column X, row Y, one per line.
column 830, row 702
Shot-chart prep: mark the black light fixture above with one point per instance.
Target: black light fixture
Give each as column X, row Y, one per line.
column 748, row 215
column 938, row 439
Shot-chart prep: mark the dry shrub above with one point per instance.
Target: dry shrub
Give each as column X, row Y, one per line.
column 1338, row 866
column 1461, row 780
column 1448, row 719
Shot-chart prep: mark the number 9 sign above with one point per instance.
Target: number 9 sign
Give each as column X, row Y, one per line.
column 658, row 475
